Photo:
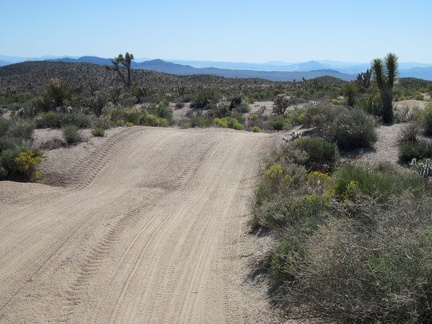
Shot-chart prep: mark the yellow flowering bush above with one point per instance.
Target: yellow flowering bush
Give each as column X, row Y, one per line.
column 26, row 162
column 275, row 171
column 318, row 180
column 20, row 163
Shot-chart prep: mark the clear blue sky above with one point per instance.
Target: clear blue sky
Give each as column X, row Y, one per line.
column 219, row 30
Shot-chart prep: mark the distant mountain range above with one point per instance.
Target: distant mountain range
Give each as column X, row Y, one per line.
column 274, row 71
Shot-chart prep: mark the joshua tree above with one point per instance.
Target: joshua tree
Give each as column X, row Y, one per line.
column 385, row 73
column 126, row 62
column 364, row 80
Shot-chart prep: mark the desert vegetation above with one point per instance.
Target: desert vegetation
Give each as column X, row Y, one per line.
column 352, row 241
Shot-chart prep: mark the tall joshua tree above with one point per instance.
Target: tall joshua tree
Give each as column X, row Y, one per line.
column 125, row 61
column 385, row 73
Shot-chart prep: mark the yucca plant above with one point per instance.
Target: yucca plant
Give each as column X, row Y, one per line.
column 58, row 91
column 385, row 73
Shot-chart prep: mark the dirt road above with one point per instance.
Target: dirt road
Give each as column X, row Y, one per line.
column 149, row 228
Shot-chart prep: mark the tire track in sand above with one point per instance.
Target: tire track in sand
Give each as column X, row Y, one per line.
column 147, row 242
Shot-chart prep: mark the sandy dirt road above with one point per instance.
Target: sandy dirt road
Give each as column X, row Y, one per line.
column 149, row 228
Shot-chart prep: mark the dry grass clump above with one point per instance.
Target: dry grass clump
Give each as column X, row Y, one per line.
column 354, row 245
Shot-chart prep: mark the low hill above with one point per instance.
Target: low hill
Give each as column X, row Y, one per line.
column 32, row 77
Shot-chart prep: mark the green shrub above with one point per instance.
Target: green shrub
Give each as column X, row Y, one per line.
column 421, row 149
column 80, row 120
column 228, row 122
column 48, row 120
column 354, row 247
column 380, row 183
column 98, row 132
column 408, row 133
column 425, row 116
column 72, row 135
column 371, row 105
column 221, row 122
column 102, row 122
column 161, row 111
column 20, row 163
column 350, row 130
column 4, row 126
column 278, row 123
column 133, row 116
column 319, row 115
column 203, row 98
column 322, row 155
column 354, row 274
column 196, row 120
column 21, row 129
column 243, row 108
column 256, row 129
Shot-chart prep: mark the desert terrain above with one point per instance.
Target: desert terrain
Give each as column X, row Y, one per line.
column 146, row 225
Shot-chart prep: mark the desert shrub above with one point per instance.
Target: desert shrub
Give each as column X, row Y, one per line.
column 319, row 115
column 78, row 119
column 42, row 103
column 196, row 120
column 421, row 149
column 409, row 133
column 126, row 99
column 72, row 135
column 21, row 129
column 352, row 247
column 380, row 183
column 49, row 119
column 371, row 104
column 279, row 178
column 351, row 129
column 20, row 163
column 243, row 108
column 52, row 144
column 132, row 116
column 425, row 117
column 350, row 273
column 278, row 123
column 203, row 97
column 102, row 122
column 295, row 117
column 152, row 120
column 8, row 142
column 161, row 111
column 228, row 122
column 115, row 113
column 98, row 132
column 322, row 155
column 406, row 114
column 4, row 126
column 291, row 210
column 256, row 129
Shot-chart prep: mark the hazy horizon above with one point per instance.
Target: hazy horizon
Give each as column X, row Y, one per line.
column 220, row 31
